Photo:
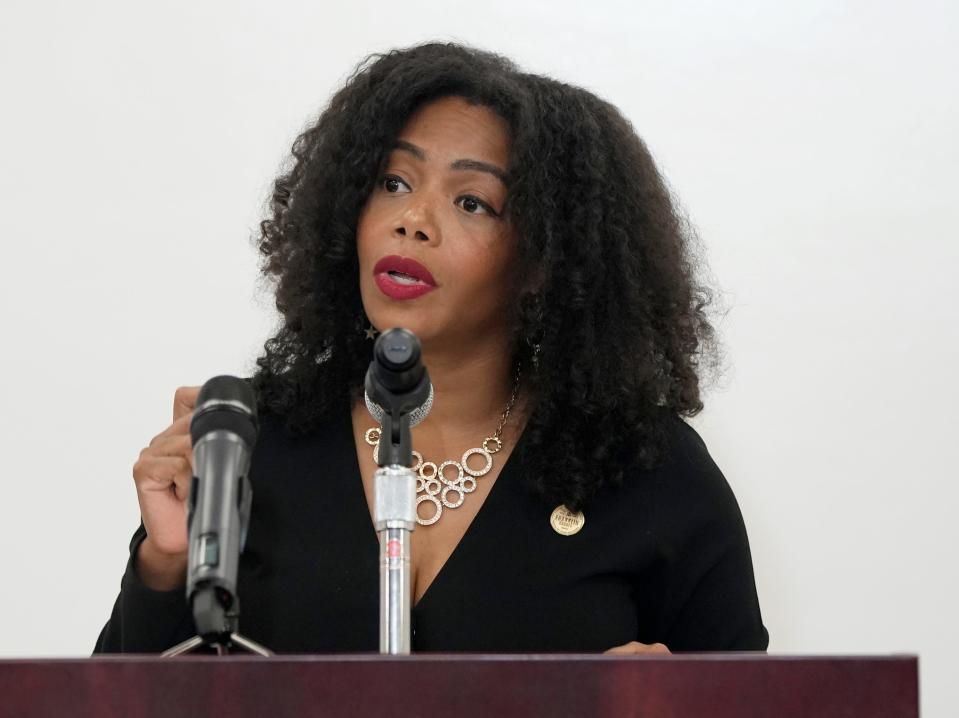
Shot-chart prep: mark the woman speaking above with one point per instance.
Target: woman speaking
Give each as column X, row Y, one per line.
column 520, row 229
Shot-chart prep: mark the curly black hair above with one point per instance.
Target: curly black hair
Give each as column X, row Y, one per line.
column 618, row 319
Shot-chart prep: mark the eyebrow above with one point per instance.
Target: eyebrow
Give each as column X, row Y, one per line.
column 474, row 165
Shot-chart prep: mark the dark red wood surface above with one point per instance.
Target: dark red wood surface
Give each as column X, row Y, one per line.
column 460, row 686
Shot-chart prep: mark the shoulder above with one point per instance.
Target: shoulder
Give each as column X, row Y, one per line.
column 686, row 459
column 683, row 494
column 685, row 447
column 691, row 491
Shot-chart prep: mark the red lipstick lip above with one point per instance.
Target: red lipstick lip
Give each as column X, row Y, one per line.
column 404, row 265
column 395, row 289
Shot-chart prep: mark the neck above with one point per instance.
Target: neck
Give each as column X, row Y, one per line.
column 470, row 389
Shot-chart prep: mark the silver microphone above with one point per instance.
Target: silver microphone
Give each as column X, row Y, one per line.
column 399, row 395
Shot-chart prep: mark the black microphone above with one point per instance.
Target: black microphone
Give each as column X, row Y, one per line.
column 399, row 394
column 224, row 429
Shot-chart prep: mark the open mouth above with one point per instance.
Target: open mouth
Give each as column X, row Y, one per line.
column 402, row 278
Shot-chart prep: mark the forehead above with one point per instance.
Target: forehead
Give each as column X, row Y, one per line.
column 452, row 128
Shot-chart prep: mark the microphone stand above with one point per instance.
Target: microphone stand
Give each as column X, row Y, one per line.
column 397, row 385
column 394, row 490
column 208, row 609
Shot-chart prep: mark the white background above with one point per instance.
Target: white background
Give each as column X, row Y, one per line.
column 813, row 144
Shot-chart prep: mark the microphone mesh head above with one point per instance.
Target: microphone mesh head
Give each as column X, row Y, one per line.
column 225, row 403
column 416, row 416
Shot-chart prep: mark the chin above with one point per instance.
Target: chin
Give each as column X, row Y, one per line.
column 415, row 321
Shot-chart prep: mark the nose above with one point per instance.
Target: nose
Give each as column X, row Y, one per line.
column 418, row 221
column 418, row 234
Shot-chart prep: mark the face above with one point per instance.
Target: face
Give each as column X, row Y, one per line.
column 436, row 253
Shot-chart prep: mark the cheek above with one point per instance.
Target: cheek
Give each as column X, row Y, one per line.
column 492, row 266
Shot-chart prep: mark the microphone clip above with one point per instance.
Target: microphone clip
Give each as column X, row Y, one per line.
column 399, row 394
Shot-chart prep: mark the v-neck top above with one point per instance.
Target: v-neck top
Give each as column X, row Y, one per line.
column 664, row 558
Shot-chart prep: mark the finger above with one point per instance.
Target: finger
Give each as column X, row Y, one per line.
column 171, row 445
column 184, row 400
column 157, row 472
column 635, row 647
column 181, row 486
column 161, row 473
column 180, row 427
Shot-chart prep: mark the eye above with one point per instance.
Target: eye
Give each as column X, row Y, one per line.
column 474, row 205
column 392, row 184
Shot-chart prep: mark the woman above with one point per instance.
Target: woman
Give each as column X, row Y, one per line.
column 520, row 229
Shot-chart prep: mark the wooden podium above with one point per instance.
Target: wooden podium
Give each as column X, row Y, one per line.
column 461, row 686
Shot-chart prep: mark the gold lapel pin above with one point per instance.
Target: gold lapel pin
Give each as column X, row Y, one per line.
column 566, row 522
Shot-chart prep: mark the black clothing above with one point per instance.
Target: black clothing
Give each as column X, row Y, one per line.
column 663, row 559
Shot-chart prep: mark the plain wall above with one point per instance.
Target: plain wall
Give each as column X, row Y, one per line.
column 811, row 143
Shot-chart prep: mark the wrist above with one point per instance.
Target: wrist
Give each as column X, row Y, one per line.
column 158, row 570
